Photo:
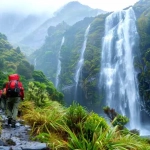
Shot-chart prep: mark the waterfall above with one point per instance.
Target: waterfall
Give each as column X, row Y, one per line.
column 35, row 62
column 81, row 60
column 59, row 64
column 117, row 77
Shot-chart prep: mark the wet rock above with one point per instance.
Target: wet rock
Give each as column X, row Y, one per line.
column 18, row 124
column 2, row 143
column 5, row 148
column 10, row 142
column 24, row 145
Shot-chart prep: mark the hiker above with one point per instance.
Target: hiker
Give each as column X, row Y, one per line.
column 14, row 93
column 3, row 98
column 1, row 91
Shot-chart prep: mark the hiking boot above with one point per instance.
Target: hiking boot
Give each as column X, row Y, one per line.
column 9, row 120
column 13, row 123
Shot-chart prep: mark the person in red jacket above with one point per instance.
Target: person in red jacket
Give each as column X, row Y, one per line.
column 1, row 91
column 14, row 94
column 3, row 98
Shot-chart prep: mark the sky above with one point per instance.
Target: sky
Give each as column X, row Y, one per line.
column 53, row 5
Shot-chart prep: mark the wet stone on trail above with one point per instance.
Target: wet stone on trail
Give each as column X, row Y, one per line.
column 17, row 138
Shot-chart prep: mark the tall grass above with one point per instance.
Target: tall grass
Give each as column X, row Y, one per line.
column 45, row 119
column 111, row 139
column 74, row 128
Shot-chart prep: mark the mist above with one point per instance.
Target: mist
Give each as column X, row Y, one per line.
column 29, row 6
column 50, row 6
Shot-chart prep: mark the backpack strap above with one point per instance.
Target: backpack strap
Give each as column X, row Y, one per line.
column 16, row 84
column 9, row 84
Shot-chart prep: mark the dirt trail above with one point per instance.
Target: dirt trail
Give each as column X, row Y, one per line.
column 17, row 138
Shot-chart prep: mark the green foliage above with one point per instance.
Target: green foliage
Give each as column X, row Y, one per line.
column 94, row 124
column 75, row 116
column 115, row 118
column 70, row 52
column 142, row 10
column 108, row 140
column 3, row 79
column 141, row 6
column 47, row 55
column 39, row 76
column 13, row 61
column 120, row 120
column 48, row 86
column 42, row 137
column 143, row 29
column 25, row 69
column 37, row 94
column 52, row 124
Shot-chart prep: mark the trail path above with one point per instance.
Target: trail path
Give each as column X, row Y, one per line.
column 18, row 138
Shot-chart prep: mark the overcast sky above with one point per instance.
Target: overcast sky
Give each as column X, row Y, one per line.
column 53, row 5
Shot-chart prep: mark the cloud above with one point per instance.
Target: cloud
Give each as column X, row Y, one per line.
column 53, row 5
column 29, row 5
column 109, row 5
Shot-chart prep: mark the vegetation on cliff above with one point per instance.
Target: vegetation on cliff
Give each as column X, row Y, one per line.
column 142, row 11
column 13, row 61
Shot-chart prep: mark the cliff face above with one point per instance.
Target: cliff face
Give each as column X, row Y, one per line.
column 142, row 11
column 70, row 52
column 47, row 56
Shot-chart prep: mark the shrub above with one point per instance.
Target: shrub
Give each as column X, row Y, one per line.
column 75, row 115
column 94, row 124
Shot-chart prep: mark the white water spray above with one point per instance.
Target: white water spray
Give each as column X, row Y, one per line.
column 117, row 76
column 35, row 62
column 81, row 60
column 59, row 64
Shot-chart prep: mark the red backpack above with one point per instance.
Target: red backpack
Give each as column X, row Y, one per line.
column 13, row 89
column 1, row 93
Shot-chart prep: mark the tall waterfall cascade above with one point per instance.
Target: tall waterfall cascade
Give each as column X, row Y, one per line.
column 35, row 62
column 81, row 60
column 117, row 76
column 59, row 64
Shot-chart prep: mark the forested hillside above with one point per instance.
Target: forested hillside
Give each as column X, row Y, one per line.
column 13, row 61
column 88, row 92
column 47, row 57
column 142, row 11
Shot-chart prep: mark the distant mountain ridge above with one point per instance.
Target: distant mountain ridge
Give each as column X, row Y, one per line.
column 28, row 31
column 70, row 13
column 17, row 25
